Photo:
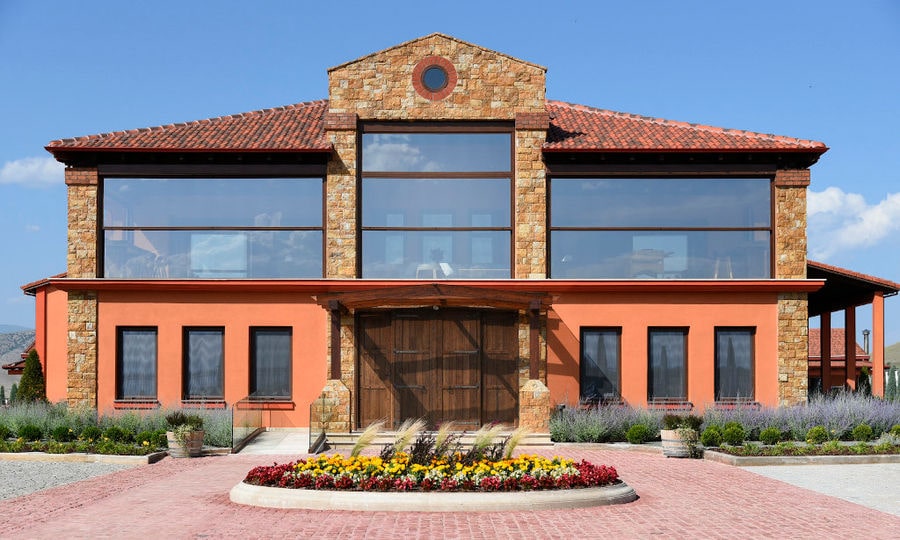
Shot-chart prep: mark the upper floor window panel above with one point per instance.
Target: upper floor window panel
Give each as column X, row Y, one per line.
column 437, row 152
column 436, row 205
column 660, row 228
column 212, row 228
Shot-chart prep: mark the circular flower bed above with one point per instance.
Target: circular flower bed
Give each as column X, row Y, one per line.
column 446, row 474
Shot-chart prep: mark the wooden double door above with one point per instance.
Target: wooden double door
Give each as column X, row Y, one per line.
column 457, row 365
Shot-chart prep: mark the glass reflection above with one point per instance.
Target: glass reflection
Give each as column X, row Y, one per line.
column 660, row 255
column 212, row 254
column 436, row 254
column 654, row 202
column 391, row 202
column 436, row 152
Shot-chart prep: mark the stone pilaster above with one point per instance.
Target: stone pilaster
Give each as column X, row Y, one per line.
column 340, row 199
column 81, row 379
column 331, row 410
column 790, row 263
column 534, row 407
column 531, row 206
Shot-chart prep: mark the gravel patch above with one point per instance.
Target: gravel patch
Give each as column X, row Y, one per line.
column 24, row 477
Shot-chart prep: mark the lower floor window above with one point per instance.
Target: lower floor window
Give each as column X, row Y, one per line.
column 270, row 362
column 204, row 363
column 734, row 364
column 600, row 364
column 667, row 364
column 136, row 357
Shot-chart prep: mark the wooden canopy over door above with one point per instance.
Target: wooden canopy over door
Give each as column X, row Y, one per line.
column 457, row 365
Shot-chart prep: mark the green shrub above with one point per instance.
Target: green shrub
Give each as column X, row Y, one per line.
column 831, row 446
column 117, row 434
column 639, row 434
column 895, row 430
column 30, row 432
column 863, row 432
column 712, row 436
column 734, row 434
column 817, row 435
column 676, row 421
column 770, row 435
column 179, row 418
column 62, row 434
column 91, row 433
column 31, row 386
column 5, row 432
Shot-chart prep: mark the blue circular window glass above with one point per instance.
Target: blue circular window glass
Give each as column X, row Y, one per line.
column 434, row 78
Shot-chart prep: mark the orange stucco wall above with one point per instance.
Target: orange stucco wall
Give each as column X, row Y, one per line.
column 635, row 313
column 237, row 313
column 51, row 328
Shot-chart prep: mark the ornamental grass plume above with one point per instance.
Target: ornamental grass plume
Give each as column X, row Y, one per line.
column 485, row 436
column 514, row 439
column 408, row 431
column 366, row 437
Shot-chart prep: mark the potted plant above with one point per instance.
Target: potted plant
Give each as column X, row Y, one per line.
column 185, row 435
column 680, row 435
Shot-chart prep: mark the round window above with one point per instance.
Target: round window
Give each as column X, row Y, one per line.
column 434, row 78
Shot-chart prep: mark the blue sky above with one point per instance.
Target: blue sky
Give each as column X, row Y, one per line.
column 826, row 70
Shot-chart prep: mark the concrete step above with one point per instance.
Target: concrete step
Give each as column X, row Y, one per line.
column 347, row 440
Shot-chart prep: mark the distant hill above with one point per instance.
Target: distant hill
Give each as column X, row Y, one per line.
column 11, row 328
column 892, row 355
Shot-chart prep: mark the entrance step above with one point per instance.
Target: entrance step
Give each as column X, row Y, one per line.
column 344, row 441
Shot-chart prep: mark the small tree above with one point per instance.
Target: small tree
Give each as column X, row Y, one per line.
column 2, row 395
column 32, row 387
column 890, row 389
column 12, row 393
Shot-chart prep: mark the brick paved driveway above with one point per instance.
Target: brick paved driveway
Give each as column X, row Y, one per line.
column 188, row 498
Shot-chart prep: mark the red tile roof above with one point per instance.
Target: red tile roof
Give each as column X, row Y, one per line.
column 885, row 285
column 300, row 128
column 294, row 128
column 576, row 128
column 837, row 345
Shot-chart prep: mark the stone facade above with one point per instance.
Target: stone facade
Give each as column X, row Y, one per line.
column 340, row 199
column 81, row 380
column 790, row 263
column 331, row 411
column 534, row 407
column 531, row 206
column 489, row 86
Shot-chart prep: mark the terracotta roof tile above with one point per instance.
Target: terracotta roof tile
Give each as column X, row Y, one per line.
column 579, row 128
column 887, row 286
column 295, row 128
column 837, row 345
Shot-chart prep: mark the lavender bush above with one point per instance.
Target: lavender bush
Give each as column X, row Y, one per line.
column 601, row 424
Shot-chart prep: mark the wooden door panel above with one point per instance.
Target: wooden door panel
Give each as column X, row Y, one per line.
column 375, row 400
column 460, row 354
column 414, row 366
column 500, row 371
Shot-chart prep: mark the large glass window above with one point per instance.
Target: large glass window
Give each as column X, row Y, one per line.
column 660, row 228
column 667, row 364
column 204, row 363
column 600, row 364
column 136, row 363
column 208, row 228
column 436, row 205
column 734, row 364
column 270, row 363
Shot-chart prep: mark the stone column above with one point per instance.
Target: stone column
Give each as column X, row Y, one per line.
column 81, row 380
column 531, row 197
column 790, row 263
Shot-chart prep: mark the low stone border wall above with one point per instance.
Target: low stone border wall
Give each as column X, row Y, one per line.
column 417, row 501
column 76, row 457
column 750, row 461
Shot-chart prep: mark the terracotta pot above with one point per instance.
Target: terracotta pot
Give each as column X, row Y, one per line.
column 193, row 446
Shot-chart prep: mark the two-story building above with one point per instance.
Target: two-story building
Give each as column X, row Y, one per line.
column 435, row 239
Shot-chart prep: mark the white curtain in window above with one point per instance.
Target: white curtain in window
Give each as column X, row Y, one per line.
column 600, row 365
column 272, row 363
column 138, row 364
column 204, row 373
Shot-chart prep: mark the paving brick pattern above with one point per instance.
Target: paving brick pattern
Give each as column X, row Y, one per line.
column 679, row 499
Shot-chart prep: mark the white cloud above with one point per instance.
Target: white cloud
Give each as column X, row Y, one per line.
column 32, row 228
column 33, row 172
column 840, row 221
